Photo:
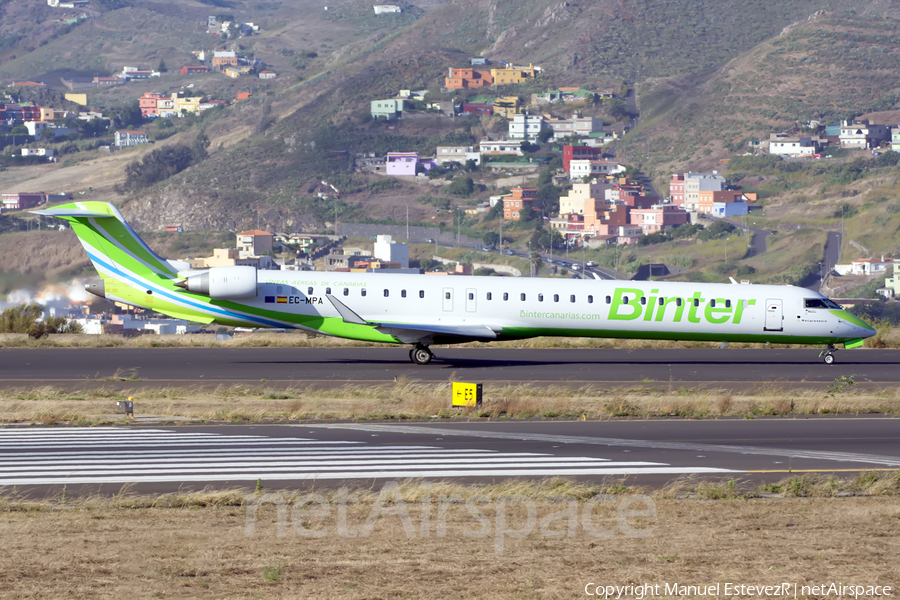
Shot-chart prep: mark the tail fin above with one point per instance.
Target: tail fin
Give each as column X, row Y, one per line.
column 132, row 272
column 109, row 240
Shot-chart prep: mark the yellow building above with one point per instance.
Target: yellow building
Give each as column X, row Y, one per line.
column 507, row 106
column 228, row 257
column 513, row 74
column 77, row 98
column 191, row 105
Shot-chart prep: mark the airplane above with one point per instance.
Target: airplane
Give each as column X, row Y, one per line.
column 423, row 310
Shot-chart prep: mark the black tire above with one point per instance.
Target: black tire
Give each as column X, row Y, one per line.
column 420, row 355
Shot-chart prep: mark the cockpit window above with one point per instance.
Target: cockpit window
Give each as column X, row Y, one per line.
column 821, row 303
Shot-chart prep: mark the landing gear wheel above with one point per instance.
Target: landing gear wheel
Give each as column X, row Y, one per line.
column 421, row 355
column 828, row 354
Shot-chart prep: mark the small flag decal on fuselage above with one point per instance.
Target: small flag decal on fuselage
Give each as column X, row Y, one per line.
column 276, row 300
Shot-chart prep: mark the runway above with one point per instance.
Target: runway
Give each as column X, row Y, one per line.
column 653, row 453
column 331, row 367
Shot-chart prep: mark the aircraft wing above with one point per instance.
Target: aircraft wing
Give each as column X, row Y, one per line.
column 411, row 333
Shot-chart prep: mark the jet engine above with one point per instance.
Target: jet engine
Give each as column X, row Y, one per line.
column 222, row 283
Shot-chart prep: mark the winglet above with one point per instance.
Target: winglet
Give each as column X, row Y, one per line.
column 733, row 281
column 348, row 315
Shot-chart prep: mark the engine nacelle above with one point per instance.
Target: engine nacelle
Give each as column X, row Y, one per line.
column 223, row 283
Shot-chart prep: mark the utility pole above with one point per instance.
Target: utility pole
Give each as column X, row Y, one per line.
column 407, row 223
column 458, row 224
column 500, row 243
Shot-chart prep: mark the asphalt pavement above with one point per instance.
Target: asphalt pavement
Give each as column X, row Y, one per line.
column 645, row 452
column 75, row 368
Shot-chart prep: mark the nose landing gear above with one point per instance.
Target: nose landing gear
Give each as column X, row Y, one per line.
column 420, row 355
column 828, row 354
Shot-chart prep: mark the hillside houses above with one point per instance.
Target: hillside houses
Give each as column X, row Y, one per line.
column 475, row 76
column 614, row 210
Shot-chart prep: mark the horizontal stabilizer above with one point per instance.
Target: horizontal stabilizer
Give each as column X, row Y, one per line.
column 72, row 212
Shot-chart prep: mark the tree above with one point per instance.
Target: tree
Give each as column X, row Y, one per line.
column 47, row 135
column 461, row 186
column 491, row 238
column 162, row 66
column 536, row 264
column 130, row 114
column 618, row 110
column 19, row 130
column 27, row 318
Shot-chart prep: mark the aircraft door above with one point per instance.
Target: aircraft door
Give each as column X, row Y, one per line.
column 448, row 299
column 774, row 315
column 471, row 295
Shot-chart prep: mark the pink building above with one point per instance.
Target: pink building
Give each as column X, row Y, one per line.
column 658, row 217
column 676, row 189
column 405, row 163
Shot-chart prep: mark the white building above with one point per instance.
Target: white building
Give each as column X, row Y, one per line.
column 781, row 144
column 131, row 138
column 48, row 152
column 381, row 9
column 525, row 127
column 585, row 169
column 501, row 147
column 36, row 127
column 457, row 154
column 694, row 183
column 865, row 266
column 860, row 134
column 390, row 251
column 575, row 125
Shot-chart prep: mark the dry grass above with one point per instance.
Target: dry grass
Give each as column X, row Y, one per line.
column 194, row 545
column 405, row 399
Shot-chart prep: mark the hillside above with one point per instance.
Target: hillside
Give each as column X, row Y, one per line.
column 829, row 67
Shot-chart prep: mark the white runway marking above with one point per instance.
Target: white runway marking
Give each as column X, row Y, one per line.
column 118, row 455
column 889, row 461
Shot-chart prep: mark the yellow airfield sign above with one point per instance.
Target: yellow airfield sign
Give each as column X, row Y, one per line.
column 466, row 394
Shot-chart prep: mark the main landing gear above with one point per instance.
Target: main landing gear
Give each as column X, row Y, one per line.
column 828, row 354
column 420, row 355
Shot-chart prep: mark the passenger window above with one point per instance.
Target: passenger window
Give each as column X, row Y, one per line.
column 278, row 290
column 572, row 298
column 624, row 299
column 386, row 293
column 346, row 291
column 590, row 299
column 556, row 297
column 362, row 292
column 421, row 293
column 309, row 291
column 609, row 300
column 712, row 303
column 471, row 296
column 522, row 297
column 489, row 296
column 327, row 290
column 728, row 304
column 677, row 301
column 505, row 296
column 447, row 295
column 540, row 297
column 643, row 300
column 662, row 301
column 403, row 293
column 696, row 302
